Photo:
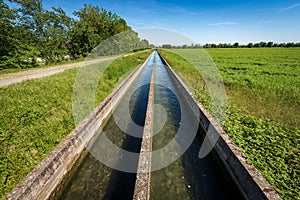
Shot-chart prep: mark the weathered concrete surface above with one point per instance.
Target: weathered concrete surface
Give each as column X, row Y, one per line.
column 43, row 181
column 142, row 184
column 251, row 183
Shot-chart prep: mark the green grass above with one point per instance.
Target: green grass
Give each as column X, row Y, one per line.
column 269, row 79
column 271, row 145
column 37, row 114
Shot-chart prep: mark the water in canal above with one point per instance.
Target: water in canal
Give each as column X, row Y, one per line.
column 189, row 177
column 178, row 171
column 94, row 180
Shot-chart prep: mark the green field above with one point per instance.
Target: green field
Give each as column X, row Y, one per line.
column 269, row 79
column 262, row 115
column 37, row 114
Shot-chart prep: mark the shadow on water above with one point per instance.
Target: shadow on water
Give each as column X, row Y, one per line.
column 121, row 184
column 207, row 178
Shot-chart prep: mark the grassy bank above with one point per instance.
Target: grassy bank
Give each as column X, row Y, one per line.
column 271, row 142
column 37, row 114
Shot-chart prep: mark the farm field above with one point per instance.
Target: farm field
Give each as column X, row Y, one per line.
column 262, row 87
column 37, row 114
column 269, row 79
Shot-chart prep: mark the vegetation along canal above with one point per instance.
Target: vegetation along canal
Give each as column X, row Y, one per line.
column 189, row 177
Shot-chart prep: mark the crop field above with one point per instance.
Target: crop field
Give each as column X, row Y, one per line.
column 37, row 114
column 262, row 115
column 268, row 78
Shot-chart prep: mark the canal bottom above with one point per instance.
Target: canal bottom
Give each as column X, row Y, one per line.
column 190, row 177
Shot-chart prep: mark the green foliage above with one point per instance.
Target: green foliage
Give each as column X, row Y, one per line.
column 30, row 34
column 100, row 28
column 37, row 114
column 271, row 147
column 268, row 80
column 273, row 150
column 57, row 27
column 35, row 117
column 14, row 53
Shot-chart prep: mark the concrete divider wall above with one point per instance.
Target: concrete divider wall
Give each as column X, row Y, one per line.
column 251, row 183
column 43, row 181
column 142, row 183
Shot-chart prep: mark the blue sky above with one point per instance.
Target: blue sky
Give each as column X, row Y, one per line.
column 210, row 21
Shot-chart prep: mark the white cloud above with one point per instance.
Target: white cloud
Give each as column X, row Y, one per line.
column 265, row 22
column 180, row 10
column 223, row 23
column 290, row 7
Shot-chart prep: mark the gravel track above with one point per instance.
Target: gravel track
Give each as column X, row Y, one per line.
column 11, row 78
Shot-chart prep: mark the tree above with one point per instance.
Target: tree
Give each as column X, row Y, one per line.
column 256, row 45
column 57, row 35
column 269, row 44
column 236, row 45
column 213, row 45
column 144, row 44
column 31, row 15
column 94, row 26
column 17, row 44
column 166, row 46
column 28, row 31
column 263, row 44
column 250, row 45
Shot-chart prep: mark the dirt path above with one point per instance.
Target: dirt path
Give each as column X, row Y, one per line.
column 11, row 78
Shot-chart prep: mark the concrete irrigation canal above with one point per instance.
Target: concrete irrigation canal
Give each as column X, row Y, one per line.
column 142, row 142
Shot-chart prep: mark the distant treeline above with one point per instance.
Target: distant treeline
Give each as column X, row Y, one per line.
column 31, row 35
column 251, row 45
column 235, row 45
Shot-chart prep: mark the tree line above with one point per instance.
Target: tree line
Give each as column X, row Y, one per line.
column 252, row 45
column 31, row 35
column 229, row 45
